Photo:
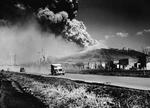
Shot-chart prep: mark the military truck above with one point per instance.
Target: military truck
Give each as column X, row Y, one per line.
column 57, row 69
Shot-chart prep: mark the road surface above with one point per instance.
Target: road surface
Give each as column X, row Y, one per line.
column 130, row 82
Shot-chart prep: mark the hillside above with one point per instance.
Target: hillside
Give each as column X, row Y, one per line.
column 102, row 55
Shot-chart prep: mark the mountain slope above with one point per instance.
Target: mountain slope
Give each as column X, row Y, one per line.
column 102, row 55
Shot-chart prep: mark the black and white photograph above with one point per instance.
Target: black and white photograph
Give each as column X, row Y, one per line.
column 74, row 54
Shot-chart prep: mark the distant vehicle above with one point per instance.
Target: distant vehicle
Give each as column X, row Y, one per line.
column 2, row 70
column 57, row 69
column 22, row 69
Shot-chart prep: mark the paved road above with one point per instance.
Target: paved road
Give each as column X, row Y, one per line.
column 130, row 82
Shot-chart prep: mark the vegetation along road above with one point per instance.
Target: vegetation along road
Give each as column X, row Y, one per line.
column 130, row 82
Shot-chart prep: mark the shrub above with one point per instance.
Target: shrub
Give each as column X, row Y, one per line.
column 61, row 97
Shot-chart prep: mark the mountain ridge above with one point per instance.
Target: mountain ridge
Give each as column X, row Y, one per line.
column 103, row 55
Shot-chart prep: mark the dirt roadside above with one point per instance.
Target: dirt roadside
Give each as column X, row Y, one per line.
column 13, row 96
column 65, row 93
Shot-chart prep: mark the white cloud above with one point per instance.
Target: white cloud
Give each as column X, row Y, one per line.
column 120, row 34
column 139, row 33
column 102, row 44
column 142, row 32
column 109, row 36
column 147, row 30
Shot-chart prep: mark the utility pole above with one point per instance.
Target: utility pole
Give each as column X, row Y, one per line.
column 15, row 59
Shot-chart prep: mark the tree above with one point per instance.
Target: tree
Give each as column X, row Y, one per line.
column 80, row 65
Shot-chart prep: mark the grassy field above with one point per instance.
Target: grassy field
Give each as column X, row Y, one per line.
column 64, row 93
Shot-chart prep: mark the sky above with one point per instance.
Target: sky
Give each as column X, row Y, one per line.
column 117, row 23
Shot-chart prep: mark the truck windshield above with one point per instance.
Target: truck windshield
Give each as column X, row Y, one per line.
column 60, row 69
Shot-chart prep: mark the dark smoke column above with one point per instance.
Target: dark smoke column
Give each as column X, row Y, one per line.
column 57, row 16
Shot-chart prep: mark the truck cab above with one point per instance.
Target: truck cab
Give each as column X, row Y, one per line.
column 56, row 69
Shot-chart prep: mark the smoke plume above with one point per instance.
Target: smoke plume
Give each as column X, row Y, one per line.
column 46, row 14
column 27, row 26
column 75, row 31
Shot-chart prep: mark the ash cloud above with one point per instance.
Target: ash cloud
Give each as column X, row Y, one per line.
column 28, row 25
column 46, row 14
column 76, row 31
column 56, row 16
